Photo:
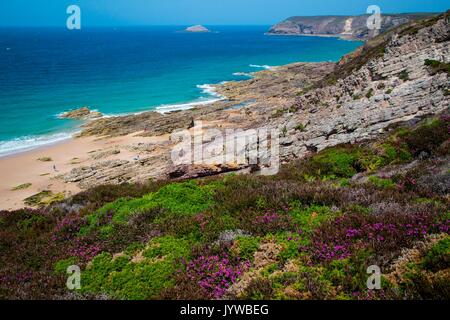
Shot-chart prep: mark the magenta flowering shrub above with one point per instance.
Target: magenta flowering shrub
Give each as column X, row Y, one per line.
column 215, row 274
column 382, row 234
column 202, row 221
column 68, row 227
column 269, row 221
column 84, row 249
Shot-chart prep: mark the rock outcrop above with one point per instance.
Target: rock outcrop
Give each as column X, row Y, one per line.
column 352, row 27
column 385, row 82
column 197, row 28
column 312, row 105
column 83, row 113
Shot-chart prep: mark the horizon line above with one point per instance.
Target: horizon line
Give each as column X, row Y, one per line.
column 225, row 24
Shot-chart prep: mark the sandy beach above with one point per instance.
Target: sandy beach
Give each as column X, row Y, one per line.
column 42, row 167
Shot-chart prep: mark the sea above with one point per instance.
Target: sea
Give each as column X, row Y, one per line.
column 47, row 71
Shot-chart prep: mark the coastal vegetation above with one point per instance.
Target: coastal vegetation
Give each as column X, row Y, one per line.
column 310, row 232
column 437, row 66
column 362, row 187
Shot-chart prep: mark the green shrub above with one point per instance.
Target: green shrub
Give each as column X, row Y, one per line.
column 307, row 218
column 438, row 258
column 31, row 223
column 290, row 242
column 138, row 279
column 187, row 198
column 404, row 75
column 301, row 127
column 62, row 265
column 339, row 162
column 428, row 137
column 381, row 183
column 437, row 66
column 247, row 246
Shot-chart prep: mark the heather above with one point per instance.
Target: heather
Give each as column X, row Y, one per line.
column 309, row 232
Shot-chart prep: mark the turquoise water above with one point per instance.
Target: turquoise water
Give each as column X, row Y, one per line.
column 45, row 72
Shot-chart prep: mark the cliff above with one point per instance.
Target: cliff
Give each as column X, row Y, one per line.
column 369, row 187
column 351, row 27
column 385, row 82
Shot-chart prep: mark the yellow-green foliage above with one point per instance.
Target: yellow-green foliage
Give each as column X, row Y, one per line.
column 187, row 198
column 346, row 161
column 140, row 277
column 429, row 277
column 62, row 265
column 381, row 183
column 22, row 187
column 247, row 246
column 307, row 218
column 43, row 198
column 438, row 258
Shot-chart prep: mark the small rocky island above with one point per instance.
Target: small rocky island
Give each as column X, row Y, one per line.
column 83, row 113
column 197, row 28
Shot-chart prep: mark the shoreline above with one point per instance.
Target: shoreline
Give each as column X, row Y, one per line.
column 62, row 157
column 77, row 153
column 38, row 147
column 209, row 89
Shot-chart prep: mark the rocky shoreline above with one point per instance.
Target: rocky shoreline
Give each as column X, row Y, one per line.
column 346, row 27
column 312, row 105
column 389, row 88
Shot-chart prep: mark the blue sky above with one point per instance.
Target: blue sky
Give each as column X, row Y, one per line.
column 186, row 12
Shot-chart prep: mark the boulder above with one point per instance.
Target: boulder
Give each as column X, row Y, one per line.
column 83, row 113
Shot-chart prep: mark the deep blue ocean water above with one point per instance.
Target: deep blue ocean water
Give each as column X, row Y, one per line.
column 44, row 72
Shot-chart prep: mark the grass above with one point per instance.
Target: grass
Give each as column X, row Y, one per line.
column 45, row 159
